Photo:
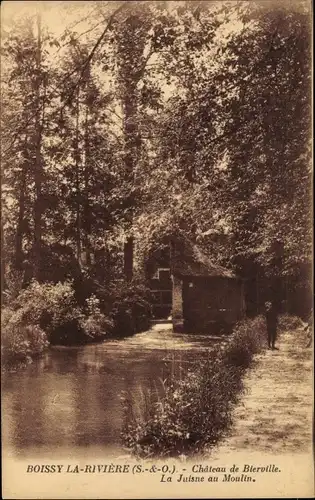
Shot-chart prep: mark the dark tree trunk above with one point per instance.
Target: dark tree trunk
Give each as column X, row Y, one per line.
column 3, row 260
column 38, row 161
column 19, row 257
column 87, row 208
column 128, row 259
column 77, row 180
column 131, row 64
column 131, row 154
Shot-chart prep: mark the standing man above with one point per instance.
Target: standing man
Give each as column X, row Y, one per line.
column 271, row 314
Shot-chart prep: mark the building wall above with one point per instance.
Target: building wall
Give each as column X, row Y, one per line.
column 211, row 304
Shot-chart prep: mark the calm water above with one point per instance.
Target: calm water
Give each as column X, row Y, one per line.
column 70, row 401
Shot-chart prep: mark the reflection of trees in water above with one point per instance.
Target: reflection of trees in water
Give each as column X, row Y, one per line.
column 27, row 427
column 97, row 413
column 72, row 397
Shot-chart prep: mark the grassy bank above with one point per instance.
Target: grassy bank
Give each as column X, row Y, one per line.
column 195, row 412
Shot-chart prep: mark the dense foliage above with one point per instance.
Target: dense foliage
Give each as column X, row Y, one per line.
column 132, row 122
column 48, row 313
column 20, row 342
column 131, row 309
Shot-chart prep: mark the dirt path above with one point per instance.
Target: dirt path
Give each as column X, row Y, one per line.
column 276, row 412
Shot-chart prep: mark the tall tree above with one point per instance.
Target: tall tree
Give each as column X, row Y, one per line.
column 22, row 125
column 38, row 167
column 131, row 38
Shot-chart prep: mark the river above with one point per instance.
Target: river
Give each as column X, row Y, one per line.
column 69, row 401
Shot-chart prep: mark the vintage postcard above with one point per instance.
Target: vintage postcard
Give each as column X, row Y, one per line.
column 156, row 249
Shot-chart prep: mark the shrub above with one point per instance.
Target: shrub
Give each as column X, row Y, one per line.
column 96, row 324
column 20, row 342
column 289, row 322
column 96, row 327
column 246, row 341
column 303, row 329
column 53, row 308
column 131, row 310
column 195, row 412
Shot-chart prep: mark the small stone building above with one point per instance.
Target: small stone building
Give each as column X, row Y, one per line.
column 205, row 297
column 192, row 292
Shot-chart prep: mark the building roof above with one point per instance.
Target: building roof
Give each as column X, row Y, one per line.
column 189, row 260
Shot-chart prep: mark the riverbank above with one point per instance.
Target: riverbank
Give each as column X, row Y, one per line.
column 195, row 410
column 275, row 414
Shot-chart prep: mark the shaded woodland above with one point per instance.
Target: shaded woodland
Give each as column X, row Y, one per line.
column 128, row 124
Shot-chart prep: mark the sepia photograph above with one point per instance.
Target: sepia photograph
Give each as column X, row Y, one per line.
column 156, row 249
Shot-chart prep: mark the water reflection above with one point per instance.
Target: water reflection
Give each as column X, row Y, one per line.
column 71, row 397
